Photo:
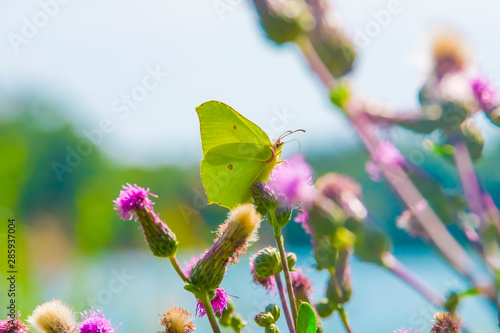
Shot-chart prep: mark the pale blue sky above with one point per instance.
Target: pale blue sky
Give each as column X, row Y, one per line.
column 92, row 52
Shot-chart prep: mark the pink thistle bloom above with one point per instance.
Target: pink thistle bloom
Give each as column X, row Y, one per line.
column 292, row 182
column 266, row 283
column 132, row 198
column 13, row 325
column 484, row 93
column 403, row 330
column 386, row 155
column 302, row 286
column 95, row 322
column 219, row 303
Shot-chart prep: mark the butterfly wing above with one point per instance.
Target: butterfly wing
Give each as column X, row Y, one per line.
column 220, row 124
column 228, row 172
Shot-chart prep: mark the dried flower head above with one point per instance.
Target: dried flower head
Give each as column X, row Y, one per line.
column 449, row 53
column 219, row 303
column 13, row 325
column 444, row 322
column 292, row 182
column 177, row 320
column 95, row 322
column 234, row 237
column 53, row 317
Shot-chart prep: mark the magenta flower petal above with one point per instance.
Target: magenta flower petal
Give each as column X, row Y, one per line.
column 386, row 155
column 291, row 181
column 132, row 198
column 484, row 93
column 219, row 303
column 95, row 322
column 13, row 326
column 403, row 330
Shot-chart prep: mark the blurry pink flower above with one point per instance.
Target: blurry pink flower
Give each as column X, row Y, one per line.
column 291, row 181
column 484, row 93
column 386, row 155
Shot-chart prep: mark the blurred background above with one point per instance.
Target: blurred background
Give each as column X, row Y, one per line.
column 97, row 94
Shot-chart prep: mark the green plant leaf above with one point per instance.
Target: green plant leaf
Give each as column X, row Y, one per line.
column 306, row 320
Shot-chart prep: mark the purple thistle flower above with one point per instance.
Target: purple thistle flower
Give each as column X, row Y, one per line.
column 292, row 182
column 132, row 198
column 13, row 325
column 95, row 322
column 302, row 286
column 484, row 93
column 386, row 155
column 219, row 303
column 403, row 330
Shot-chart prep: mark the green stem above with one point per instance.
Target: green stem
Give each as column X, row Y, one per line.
column 343, row 316
column 284, row 263
column 175, row 264
column 203, row 297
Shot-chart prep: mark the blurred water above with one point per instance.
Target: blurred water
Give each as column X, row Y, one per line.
column 148, row 286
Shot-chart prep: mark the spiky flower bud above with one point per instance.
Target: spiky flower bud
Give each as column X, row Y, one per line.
column 283, row 215
column 291, row 259
column 134, row 200
column 264, row 198
column 445, row 322
column 284, row 20
column 267, row 262
column 53, row 317
column 177, row 320
column 234, row 237
column 274, row 310
column 264, row 319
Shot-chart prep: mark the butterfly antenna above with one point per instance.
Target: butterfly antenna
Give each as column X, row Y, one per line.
column 287, row 133
column 294, row 140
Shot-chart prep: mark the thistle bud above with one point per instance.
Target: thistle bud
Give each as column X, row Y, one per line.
column 330, row 42
column 177, row 320
column 264, row 198
column 291, row 260
column 371, row 244
column 284, row 20
column 283, row 215
column 264, row 319
column 266, row 262
column 339, row 289
column 53, row 317
column 234, row 237
column 324, row 309
column 446, row 323
column 134, row 200
column 274, row 310
column 237, row 322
